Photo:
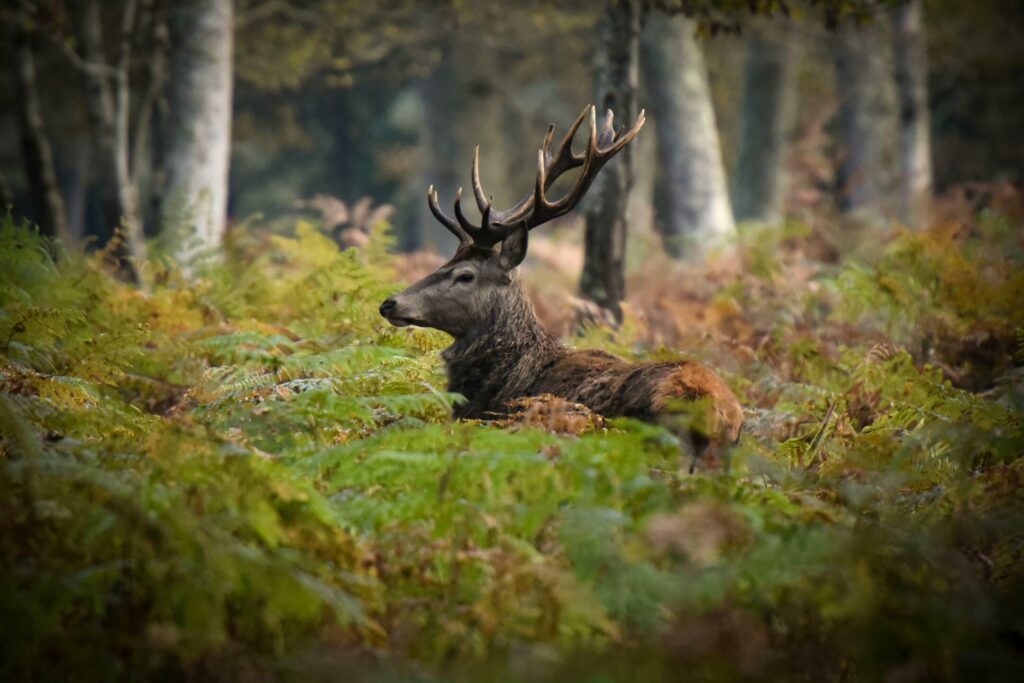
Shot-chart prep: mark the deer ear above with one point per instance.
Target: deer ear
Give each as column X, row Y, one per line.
column 513, row 248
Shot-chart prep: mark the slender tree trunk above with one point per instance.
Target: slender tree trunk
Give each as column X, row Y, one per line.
column 640, row 211
column 440, row 105
column 912, row 88
column 199, row 136
column 108, row 91
column 78, row 188
column 697, row 212
column 6, row 193
column 867, row 117
column 769, row 94
column 603, row 279
column 151, row 116
column 47, row 204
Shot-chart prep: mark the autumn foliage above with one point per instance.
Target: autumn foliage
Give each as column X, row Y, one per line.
column 249, row 474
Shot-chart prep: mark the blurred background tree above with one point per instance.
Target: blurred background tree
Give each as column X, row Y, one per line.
column 696, row 212
column 617, row 78
column 351, row 99
column 771, row 67
column 46, row 202
column 912, row 93
column 198, row 131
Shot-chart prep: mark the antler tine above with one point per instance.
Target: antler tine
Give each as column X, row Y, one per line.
column 538, row 190
column 546, row 145
column 592, row 140
column 607, row 133
column 471, row 230
column 624, row 140
column 554, row 209
column 453, row 227
column 565, row 159
column 482, row 202
column 592, row 163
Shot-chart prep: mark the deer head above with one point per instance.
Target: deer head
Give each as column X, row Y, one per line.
column 466, row 293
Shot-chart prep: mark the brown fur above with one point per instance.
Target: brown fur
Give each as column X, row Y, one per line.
column 613, row 387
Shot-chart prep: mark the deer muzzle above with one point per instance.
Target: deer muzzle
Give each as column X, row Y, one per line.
column 397, row 314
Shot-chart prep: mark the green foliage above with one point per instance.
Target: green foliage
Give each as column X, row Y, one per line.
column 251, row 466
column 728, row 15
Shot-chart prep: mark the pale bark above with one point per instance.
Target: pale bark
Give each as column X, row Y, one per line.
column 108, row 106
column 78, row 188
column 640, row 210
column 194, row 206
column 912, row 88
column 697, row 214
column 617, row 76
column 867, row 118
column 769, row 95
column 47, row 203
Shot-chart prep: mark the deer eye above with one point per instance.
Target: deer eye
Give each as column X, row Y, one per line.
column 465, row 277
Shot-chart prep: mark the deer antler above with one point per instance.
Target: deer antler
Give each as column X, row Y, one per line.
column 535, row 208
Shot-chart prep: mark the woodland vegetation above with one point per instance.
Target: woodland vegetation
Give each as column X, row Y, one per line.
column 218, row 462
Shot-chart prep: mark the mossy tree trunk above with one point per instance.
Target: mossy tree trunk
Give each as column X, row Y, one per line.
column 617, row 77
column 697, row 215
column 198, row 138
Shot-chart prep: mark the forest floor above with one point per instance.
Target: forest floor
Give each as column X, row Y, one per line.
column 249, row 475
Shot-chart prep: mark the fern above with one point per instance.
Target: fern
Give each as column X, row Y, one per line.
column 251, row 461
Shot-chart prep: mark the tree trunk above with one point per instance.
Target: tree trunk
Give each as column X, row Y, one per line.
column 603, row 278
column 107, row 91
column 482, row 121
column 440, row 105
column 769, row 93
column 78, row 188
column 697, row 212
column 47, row 204
column 912, row 88
column 640, row 211
column 6, row 193
column 198, row 140
column 867, row 117
column 151, row 117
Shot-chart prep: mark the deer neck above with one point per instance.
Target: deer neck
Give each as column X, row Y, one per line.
column 501, row 359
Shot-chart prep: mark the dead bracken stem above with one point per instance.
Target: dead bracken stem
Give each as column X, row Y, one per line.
column 819, row 437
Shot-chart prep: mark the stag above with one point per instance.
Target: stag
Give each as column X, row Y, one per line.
column 502, row 352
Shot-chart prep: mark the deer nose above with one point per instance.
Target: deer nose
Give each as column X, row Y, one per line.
column 387, row 307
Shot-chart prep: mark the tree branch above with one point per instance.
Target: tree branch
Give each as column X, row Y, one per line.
column 86, row 67
column 272, row 7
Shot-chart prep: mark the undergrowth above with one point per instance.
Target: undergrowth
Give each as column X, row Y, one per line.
column 250, row 474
